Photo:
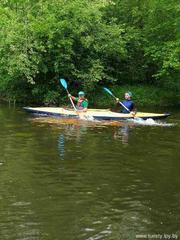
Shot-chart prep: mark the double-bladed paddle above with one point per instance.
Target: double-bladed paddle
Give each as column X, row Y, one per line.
column 64, row 84
column 108, row 91
column 81, row 115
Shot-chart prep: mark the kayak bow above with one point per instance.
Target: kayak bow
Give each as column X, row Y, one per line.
column 97, row 114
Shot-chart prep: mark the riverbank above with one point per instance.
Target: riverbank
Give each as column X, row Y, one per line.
column 142, row 96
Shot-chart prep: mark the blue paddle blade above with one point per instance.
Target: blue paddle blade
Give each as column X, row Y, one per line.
column 63, row 83
column 108, row 91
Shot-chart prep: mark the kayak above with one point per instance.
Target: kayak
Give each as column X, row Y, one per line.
column 96, row 114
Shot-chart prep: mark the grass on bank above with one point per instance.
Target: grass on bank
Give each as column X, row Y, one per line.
column 142, row 96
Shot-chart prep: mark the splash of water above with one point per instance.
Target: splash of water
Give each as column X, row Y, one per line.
column 86, row 117
column 151, row 122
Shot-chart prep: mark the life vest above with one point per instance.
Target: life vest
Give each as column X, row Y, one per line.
column 129, row 104
column 80, row 104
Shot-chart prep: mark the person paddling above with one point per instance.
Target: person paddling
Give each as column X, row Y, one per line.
column 82, row 102
column 128, row 103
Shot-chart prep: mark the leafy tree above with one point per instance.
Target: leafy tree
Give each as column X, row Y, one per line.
column 88, row 43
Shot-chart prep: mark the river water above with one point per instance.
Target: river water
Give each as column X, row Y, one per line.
column 75, row 180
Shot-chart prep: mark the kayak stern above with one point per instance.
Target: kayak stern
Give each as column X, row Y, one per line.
column 96, row 114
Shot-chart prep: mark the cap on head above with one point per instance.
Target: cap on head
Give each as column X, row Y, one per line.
column 130, row 94
column 81, row 93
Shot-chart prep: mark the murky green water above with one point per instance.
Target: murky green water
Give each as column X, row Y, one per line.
column 80, row 181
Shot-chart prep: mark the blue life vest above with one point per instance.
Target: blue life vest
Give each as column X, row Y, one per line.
column 129, row 104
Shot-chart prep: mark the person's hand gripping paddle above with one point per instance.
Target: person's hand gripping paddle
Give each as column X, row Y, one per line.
column 81, row 115
column 64, row 84
column 110, row 93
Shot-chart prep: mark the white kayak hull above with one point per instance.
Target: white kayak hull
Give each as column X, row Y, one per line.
column 96, row 114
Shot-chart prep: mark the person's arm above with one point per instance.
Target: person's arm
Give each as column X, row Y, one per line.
column 73, row 98
column 134, row 110
column 117, row 103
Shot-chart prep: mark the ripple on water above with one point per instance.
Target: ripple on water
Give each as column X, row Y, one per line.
column 102, row 189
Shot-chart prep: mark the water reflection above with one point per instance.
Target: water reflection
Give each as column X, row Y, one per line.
column 100, row 191
column 61, row 144
column 122, row 133
column 75, row 133
column 69, row 132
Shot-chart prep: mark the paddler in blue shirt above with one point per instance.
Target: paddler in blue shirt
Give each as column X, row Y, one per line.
column 82, row 102
column 128, row 103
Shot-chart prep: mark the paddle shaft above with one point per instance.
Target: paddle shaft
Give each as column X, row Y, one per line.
column 108, row 91
column 122, row 104
column 64, row 84
column 82, row 117
column 71, row 100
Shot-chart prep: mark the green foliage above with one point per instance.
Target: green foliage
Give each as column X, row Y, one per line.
column 52, row 97
column 89, row 43
column 163, row 42
column 143, row 96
